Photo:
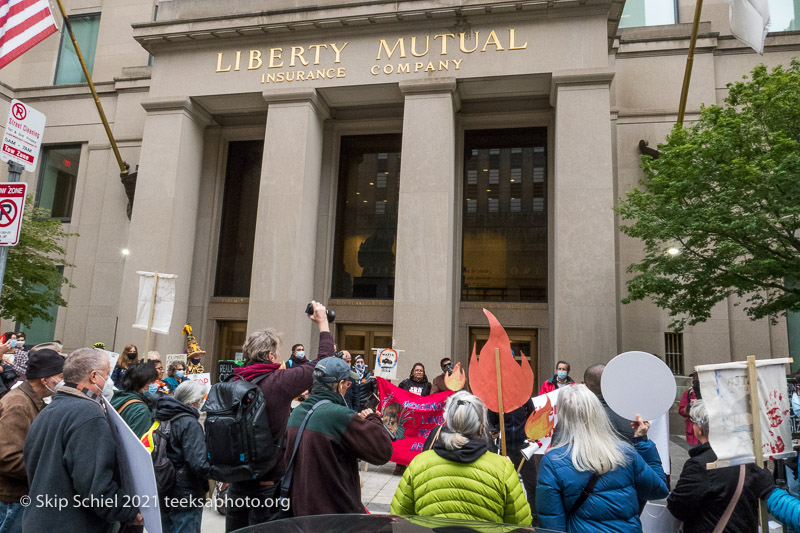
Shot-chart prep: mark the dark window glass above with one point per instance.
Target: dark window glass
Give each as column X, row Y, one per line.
column 68, row 69
column 57, row 179
column 366, row 217
column 238, row 228
column 505, row 215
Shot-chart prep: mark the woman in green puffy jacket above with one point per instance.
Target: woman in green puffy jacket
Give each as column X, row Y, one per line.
column 459, row 477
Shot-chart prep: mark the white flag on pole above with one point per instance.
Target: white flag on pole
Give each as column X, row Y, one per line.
column 164, row 300
column 750, row 22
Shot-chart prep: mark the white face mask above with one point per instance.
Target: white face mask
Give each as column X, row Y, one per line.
column 108, row 388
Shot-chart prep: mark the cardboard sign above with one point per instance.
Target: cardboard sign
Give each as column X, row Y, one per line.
column 204, row 378
column 112, row 358
column 226, row 368
column 386, row 363
column 176, row 357
column 638, row 383
column 23, row 135
column 12, row 205
column 410, row 418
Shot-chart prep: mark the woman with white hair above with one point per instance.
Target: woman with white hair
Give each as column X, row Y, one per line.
column 187, row 451
column 590, row 480
column 459, row 477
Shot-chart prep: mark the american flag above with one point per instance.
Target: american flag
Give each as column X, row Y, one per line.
column 23, row 25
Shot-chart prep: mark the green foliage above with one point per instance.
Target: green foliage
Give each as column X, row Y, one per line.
column 726, row 193
column 32, row 282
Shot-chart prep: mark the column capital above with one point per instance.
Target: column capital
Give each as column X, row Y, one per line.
column 577, row 78
column 275, row 97
column 167, row 105
column 428, row 87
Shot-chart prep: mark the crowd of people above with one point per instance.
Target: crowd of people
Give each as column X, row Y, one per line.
column 318, row 421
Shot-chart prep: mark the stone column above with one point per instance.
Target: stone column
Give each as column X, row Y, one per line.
column 424, row 295
column 583, row 300
column 286, row 227
column 162, row 230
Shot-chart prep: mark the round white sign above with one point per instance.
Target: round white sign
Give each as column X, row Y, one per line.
column 638, row 383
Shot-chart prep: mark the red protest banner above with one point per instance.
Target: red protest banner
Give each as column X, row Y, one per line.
column 410, row 418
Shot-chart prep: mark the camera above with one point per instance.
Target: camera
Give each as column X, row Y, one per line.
column 331, row 314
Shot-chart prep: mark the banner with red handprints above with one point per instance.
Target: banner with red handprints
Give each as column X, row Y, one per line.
column 410, row 418
column 726, row 394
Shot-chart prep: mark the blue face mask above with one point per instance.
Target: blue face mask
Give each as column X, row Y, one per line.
column 179, row 374
column 152, row 388
column 562, row 374
column 13, row 343
column 300, row 355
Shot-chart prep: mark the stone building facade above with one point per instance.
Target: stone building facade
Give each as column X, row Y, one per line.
column 407, row 163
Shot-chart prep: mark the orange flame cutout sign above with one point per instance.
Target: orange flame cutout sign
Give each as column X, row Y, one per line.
column 456, row 380
column 517, row 380
column 541, row 423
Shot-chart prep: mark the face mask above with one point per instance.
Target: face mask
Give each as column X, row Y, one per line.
column 448, row 368
column 179, row 374
column 13, row 343
column 108, row 389
column 562, row 374
column 195, row 360
column 53, row 390
column 132, row 355
column 152, row 388
column 300, row 355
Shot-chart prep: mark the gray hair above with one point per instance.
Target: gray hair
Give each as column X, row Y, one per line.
column 258, row 345
column 583, row 428
column 153, row 355
column 82, row 362
column 464, row 416
column 699, row 415
column 190, row 392
column 317, row 382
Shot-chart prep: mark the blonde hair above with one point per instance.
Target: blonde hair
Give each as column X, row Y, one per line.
column 583, row 429
column 464, row 416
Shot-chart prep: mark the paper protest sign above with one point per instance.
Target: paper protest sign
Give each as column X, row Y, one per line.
column 112, row 358
column 725, row 391
column 136, row 468
column 638, row 383
column 204, row 378
column 386, row 363
column 176, row 357
column 163, row 299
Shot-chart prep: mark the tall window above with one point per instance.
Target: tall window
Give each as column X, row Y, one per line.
column 505, row 215
column 68, row 69
column 366, row 217
column 41, row 329
column 238, row 227
column 57, row 178
column 673, row 352
column 648, row 13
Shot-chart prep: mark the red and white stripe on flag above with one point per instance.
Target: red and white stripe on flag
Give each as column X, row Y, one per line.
column 23, row 25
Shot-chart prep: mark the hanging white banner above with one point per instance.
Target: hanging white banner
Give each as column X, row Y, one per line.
column 725, row 391
column 164, row 302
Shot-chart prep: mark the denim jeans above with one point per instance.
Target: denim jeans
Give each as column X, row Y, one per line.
column 182, row 521
column 11, row 517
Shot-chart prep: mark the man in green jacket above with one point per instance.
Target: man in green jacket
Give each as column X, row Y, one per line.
column 334, row 439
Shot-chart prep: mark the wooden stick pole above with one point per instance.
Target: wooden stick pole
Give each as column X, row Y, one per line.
column 687, row 75
column 500, row 411
column 755, row 412
column 152, row 314
column 522, row 462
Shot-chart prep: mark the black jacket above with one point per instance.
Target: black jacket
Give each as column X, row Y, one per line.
column 360, row 393
column 701, row 495
column 186, row 449
column 515, row 425
column 620, row 425
column 70, row 452
column 423, row 388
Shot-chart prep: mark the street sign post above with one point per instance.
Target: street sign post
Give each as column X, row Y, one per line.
column 22, row 138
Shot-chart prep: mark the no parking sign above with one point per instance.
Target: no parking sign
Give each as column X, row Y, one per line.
column 12, row 204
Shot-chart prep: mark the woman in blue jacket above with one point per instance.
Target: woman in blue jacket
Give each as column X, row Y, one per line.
column 585, row 449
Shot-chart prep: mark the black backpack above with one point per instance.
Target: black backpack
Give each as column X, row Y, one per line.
column 165, row 470
column 238, row 436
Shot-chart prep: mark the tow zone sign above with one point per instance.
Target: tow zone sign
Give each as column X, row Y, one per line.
column 12, row 204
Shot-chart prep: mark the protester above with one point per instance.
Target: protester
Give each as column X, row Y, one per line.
column 587, row 457
column 128, row 357
column 345, row 356
column 516, row 441
column 20, row 355
column 70, row 453
column 334, row 439
column 438, row 382
column 559, row 380
column 153, row 355
column 687, row 400
column 592, row 378
column 298, row 356
column 701, row 496
column 183, row 508
column 18, row 409
column 176, row 375
column 362, row 391
column 261, row 353
column 56, row 346
column 161, row 388
column 459, row 477
column 417, row 382
column 131, row 403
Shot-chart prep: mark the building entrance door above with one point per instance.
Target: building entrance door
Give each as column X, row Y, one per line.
column 360, row 339
column 232, row 335
column 522, row 340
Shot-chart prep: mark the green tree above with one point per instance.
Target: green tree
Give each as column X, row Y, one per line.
column 33, row 279
column 725, row 193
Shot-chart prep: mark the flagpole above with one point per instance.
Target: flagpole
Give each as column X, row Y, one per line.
column 687, row 75
column 123, row 167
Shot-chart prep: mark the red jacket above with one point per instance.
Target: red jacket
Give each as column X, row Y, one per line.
column 688, row 398
column 550, row 384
